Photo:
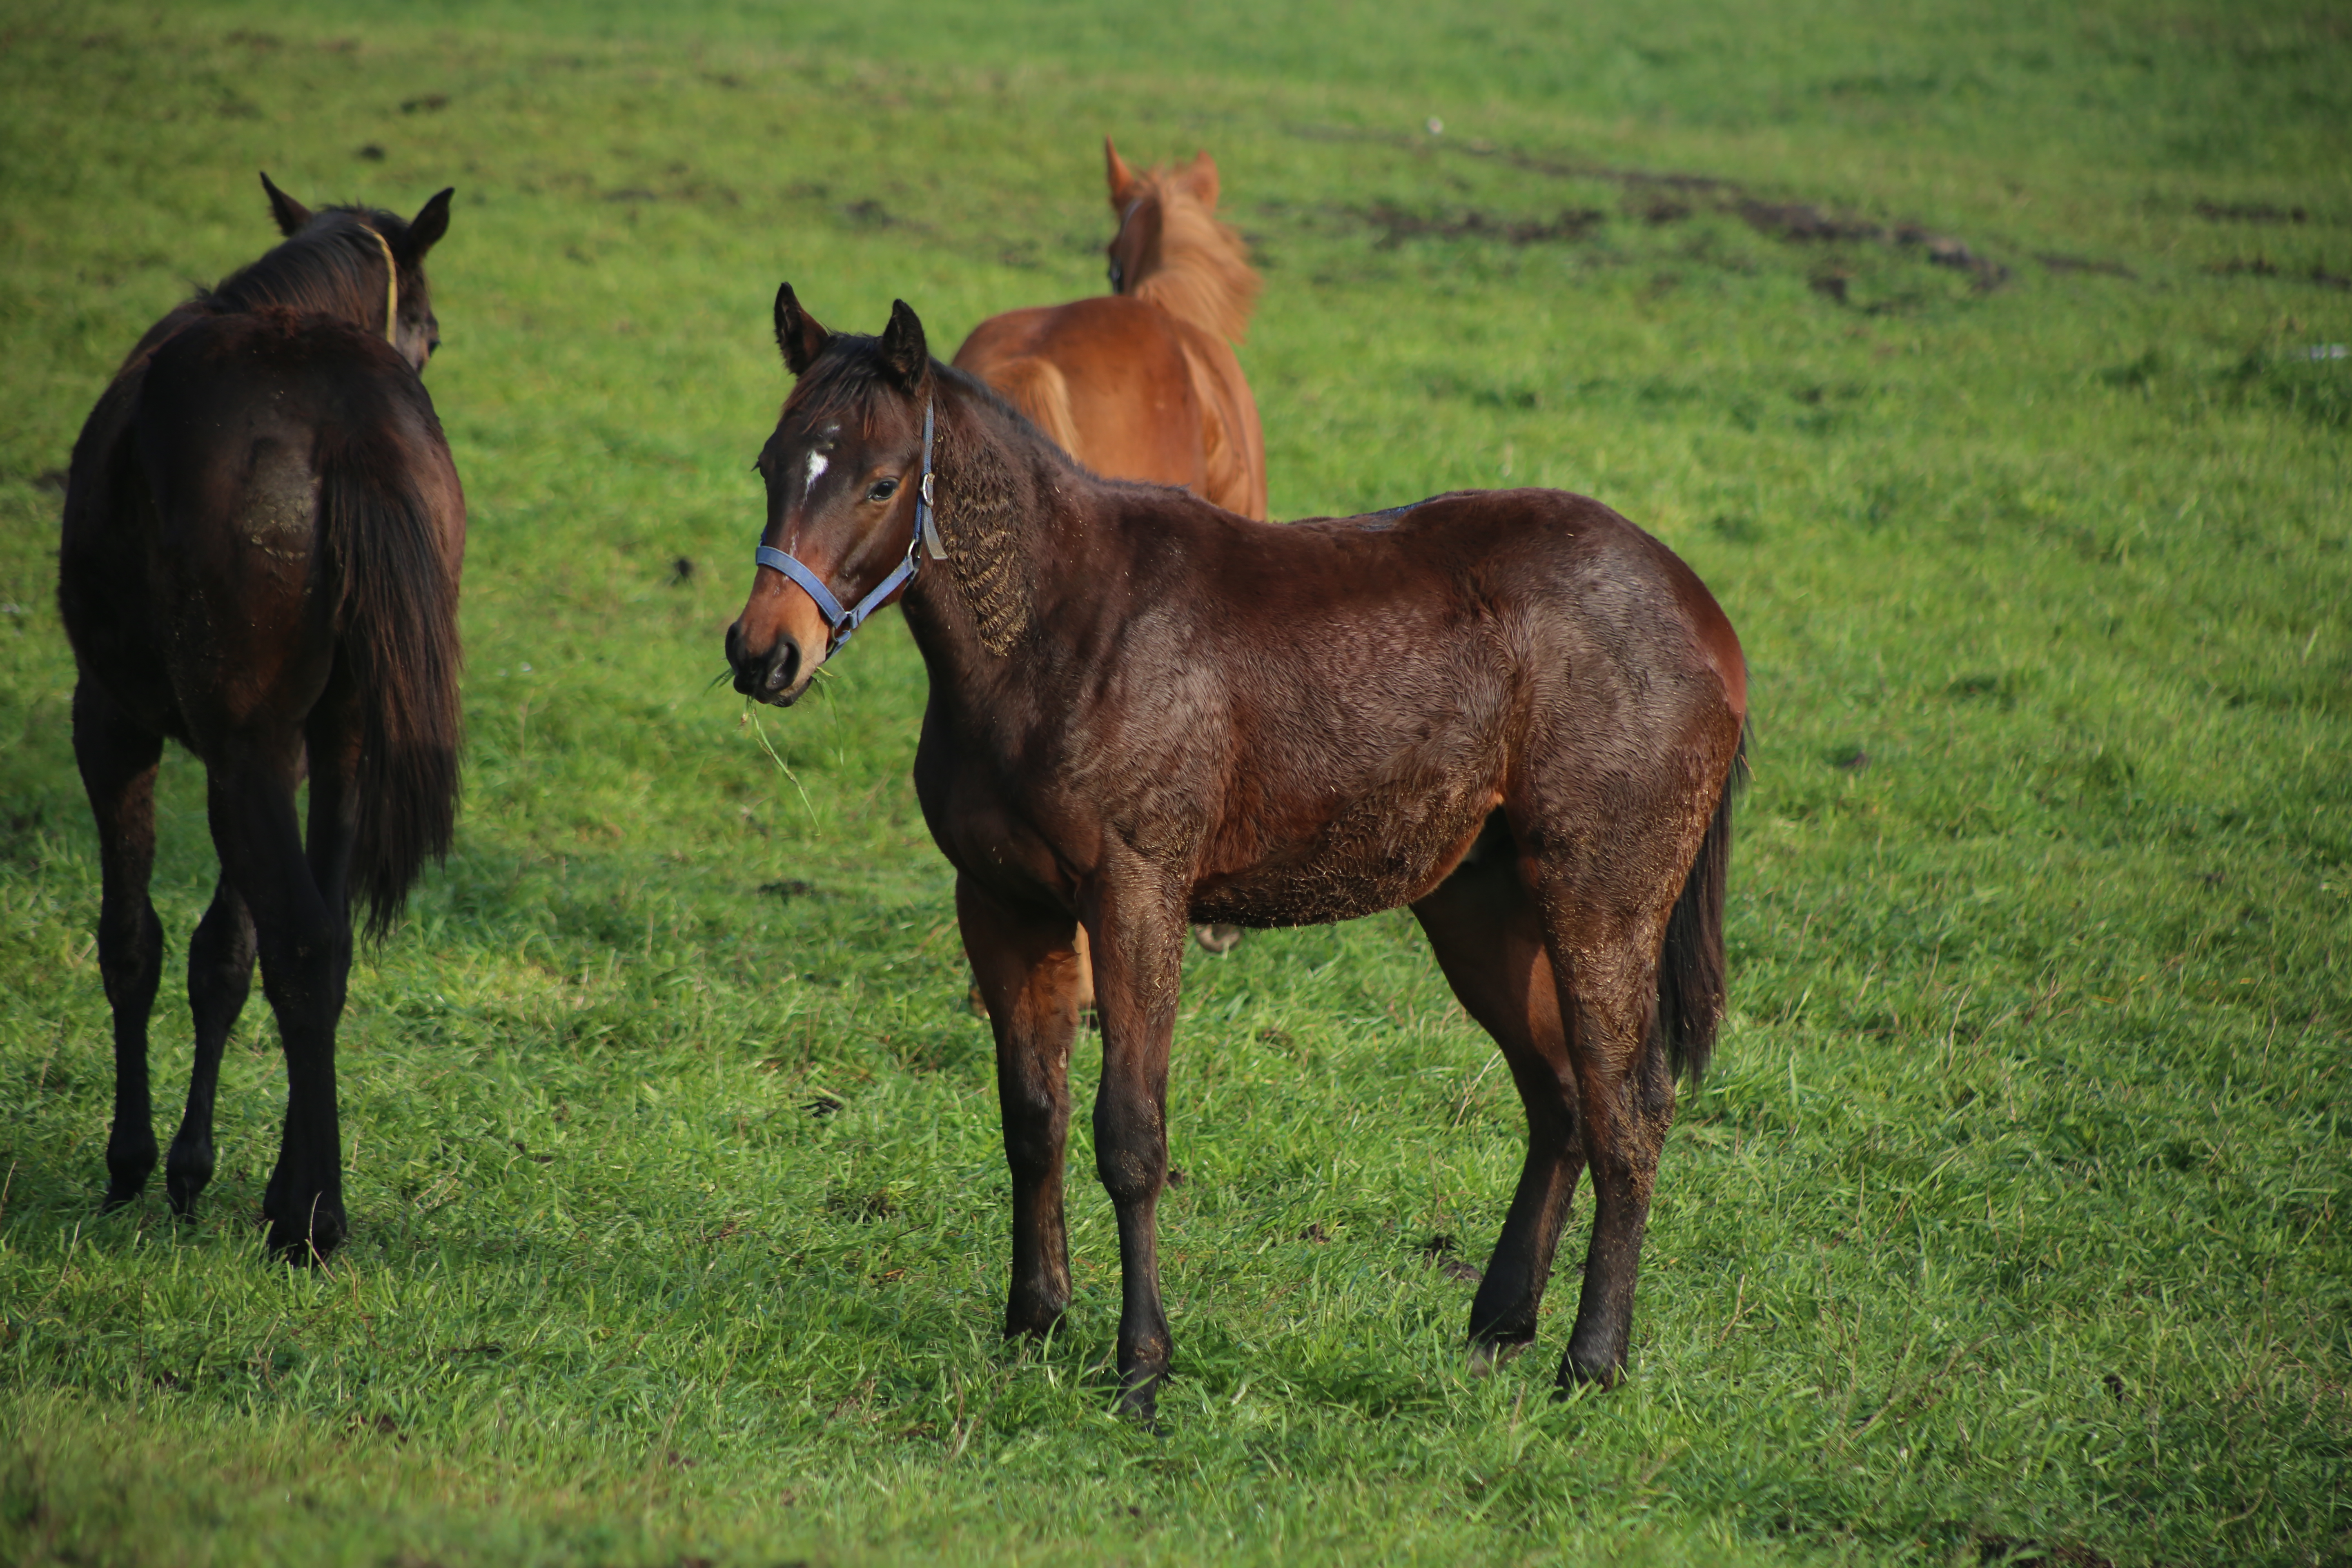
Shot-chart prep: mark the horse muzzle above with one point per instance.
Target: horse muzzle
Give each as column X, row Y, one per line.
column 777, row 675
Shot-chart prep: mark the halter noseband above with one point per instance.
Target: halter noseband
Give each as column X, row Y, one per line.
column 841, row 623
column 392, row 289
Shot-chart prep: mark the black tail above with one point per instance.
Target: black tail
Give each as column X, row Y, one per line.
column 396, row 594
column 1690, row 974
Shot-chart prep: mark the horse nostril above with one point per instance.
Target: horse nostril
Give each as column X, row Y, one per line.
column 784, row 664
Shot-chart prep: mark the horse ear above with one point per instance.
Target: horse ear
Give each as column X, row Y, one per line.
column 1203, row 179
column 904, row 354
column 1122, row 178
column 431, row 222
column 290, row 213
column 797, row 332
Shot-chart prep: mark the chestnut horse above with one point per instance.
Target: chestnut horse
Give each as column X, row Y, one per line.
column 259, row 560
column 1512, row 711
column 1142, row 384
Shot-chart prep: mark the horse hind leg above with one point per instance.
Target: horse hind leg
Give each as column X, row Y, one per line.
column 1625, row 1093
column 220, row 978
column 1489, row 942
column 118, row 760
column 304, row 948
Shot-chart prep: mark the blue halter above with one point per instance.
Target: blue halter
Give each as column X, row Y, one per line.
column 841, row 623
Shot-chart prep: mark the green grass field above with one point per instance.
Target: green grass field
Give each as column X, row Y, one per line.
column 1972, row 362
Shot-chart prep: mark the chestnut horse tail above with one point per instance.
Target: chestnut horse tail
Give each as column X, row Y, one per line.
column 1690, row 974
column 1036, row 385
column 395, row 590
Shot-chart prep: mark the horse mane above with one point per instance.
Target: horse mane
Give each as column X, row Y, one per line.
column 1203, row 276
column 327, row 268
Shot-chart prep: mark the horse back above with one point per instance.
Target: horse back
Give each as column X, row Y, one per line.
column 195, row 570
column 1471, row 632
column 1130, row 391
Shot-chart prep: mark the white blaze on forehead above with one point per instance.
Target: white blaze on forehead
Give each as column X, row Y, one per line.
column 815, row 468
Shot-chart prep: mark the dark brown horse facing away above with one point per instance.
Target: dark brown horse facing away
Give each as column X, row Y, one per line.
column 1142, row 384
column 1512, row 710
column 259, row 560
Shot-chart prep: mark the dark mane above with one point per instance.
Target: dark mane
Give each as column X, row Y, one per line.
column 329, row 269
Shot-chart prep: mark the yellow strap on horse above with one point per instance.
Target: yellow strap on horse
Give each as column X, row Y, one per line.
column 392, row 289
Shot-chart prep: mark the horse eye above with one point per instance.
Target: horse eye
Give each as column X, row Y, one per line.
column 883, row 490
column 1118, row 277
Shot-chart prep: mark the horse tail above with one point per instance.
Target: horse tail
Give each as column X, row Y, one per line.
column 1690, row 973
column 385, row 518
column 1036, row 385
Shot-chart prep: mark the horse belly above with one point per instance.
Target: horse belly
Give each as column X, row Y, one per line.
column 1380, row 853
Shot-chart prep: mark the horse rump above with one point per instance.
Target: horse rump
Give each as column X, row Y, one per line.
column 394, row 588
column 1690, row 971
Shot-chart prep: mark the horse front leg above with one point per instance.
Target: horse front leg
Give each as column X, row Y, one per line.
column 118, row 761
column 1139, row 947
column 1030, row 970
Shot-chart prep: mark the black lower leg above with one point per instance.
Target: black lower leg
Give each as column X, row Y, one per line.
column 1040, row 1290
column 1132, row 1158
column 1625, row 1163
column 118, row 772
column 1144, row 1345
column 1503, row 1314
column 130, row 957
column 220, row 978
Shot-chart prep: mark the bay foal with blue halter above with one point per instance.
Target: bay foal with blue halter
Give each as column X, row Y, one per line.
column 1513, row 711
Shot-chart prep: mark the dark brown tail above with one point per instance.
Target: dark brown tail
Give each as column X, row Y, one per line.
column 398, row 598
column 1690, row 974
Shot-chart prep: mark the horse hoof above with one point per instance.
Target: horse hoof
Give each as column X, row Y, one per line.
column 1491, row 1356
column 304, row 1246
column 1139, row 1402
column 116, row 1197
column 1035, row 1324
column 1218, row 938
column 184, row 1180
column 1574, row 1374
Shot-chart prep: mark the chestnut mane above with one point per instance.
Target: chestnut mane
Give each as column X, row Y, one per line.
column 1203, row 274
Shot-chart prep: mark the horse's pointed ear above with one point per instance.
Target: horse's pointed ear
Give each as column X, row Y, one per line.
column 904, row 354
column 431, row 222
column 797, row 332
column 290, row 213
column 1122, row 178
column 1203, row 179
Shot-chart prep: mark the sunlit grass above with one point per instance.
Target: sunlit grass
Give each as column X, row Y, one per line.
column 2011, row 1218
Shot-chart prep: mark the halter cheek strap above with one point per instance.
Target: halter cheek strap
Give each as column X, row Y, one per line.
column 841, row 623
column 392, row 289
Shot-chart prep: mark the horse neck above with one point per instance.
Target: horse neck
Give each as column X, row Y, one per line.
column 1203, row 276
column 331, row 273
column 1004, row 497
